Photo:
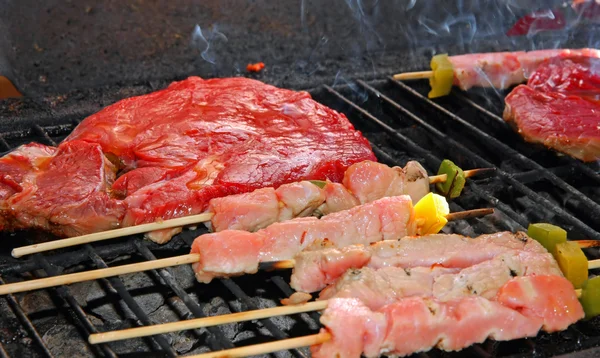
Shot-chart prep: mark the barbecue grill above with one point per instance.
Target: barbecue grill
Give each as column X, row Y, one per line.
column 69, row 60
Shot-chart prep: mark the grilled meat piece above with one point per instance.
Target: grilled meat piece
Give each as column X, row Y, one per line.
column 262, row 207
column 505, row 69
column 378, row 287
column 559, row 107
column 317, row 268
column 522, row 307
column 177, row 148
column 234, row 252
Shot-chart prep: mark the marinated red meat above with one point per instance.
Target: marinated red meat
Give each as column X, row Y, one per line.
column 67, row 193
column 579, row 76
column 176, row 149
column 226, row 136
column 558, row 108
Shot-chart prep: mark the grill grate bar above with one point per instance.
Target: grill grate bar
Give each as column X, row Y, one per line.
column 67, row 258
column 218, row 339
column 498, row 145
column 267, row 322
column 43, row 133
column 572, row 162
column 4, row 146
column 65, row 294
column 591, row 233
column 158, row 341
column 26, row 322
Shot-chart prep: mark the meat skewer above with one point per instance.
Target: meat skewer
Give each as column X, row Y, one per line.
column 257, row 209
column 234, row 252
column 491, row 279
column 497, row 69
column 377, row 288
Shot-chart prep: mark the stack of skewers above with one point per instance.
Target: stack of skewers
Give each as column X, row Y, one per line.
column 379, row 262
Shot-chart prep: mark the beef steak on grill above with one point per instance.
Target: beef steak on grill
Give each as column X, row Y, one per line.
column 177, row 148
column 559, row 107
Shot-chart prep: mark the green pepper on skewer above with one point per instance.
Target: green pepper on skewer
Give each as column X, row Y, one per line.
column 455, row 180
column 547, row 234
column 590, row 297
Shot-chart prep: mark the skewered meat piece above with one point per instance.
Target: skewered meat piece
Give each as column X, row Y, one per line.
column 314, row 269
column 559, row 107
column 177, row 148
column 504, row 69
column 234, row 252
column 363, row 183
column 378, row 287
column 521, row 308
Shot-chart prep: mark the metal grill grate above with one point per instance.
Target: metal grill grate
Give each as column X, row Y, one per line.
column 402, row 124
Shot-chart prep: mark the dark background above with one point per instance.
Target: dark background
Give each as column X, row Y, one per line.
column 51, row 47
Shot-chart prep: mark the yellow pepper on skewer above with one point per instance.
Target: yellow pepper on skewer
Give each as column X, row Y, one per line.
column 442, row 77
column 431, row 212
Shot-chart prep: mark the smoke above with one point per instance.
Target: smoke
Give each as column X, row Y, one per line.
column 207, row 43
column 361, row 94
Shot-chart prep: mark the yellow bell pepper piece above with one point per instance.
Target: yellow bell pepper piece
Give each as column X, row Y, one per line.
column 443, row 76
column 430, row 213
column 572, row 262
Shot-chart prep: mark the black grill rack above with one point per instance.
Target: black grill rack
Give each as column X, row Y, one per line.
column 531, row 184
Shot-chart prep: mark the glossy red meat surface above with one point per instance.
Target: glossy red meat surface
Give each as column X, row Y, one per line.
column 559, row 107
column 177, row 148
column 579, row 76
column 65, row 191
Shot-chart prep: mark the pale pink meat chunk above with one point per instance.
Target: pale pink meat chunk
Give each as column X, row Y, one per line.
column 313, row 271
column 338, row 198
column 523, row 306
column 383, row 219
column 369, row 181
column 378, row 287
column 496, row 69
column 550, row 298
column 298, row 199
column 246, row 211
column 504, row 69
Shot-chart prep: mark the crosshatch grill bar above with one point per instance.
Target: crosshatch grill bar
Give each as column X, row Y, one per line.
column 115, row 283
column 591, row 233
column 583, row 168
column 495, row 144
column 65, row 294
column 217, row 339
column 26, row 322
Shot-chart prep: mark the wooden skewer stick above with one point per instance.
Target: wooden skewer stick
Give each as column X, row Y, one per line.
column 264, row 348
column 110, row 234
column 96, row 274
column 413, row 75
column 205, row 322
column 468, row 173
column 144, row 266
column 166, row 224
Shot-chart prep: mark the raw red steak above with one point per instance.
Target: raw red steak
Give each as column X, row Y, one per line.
column 64, row 190
column 198, row 139
column 559, row 107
